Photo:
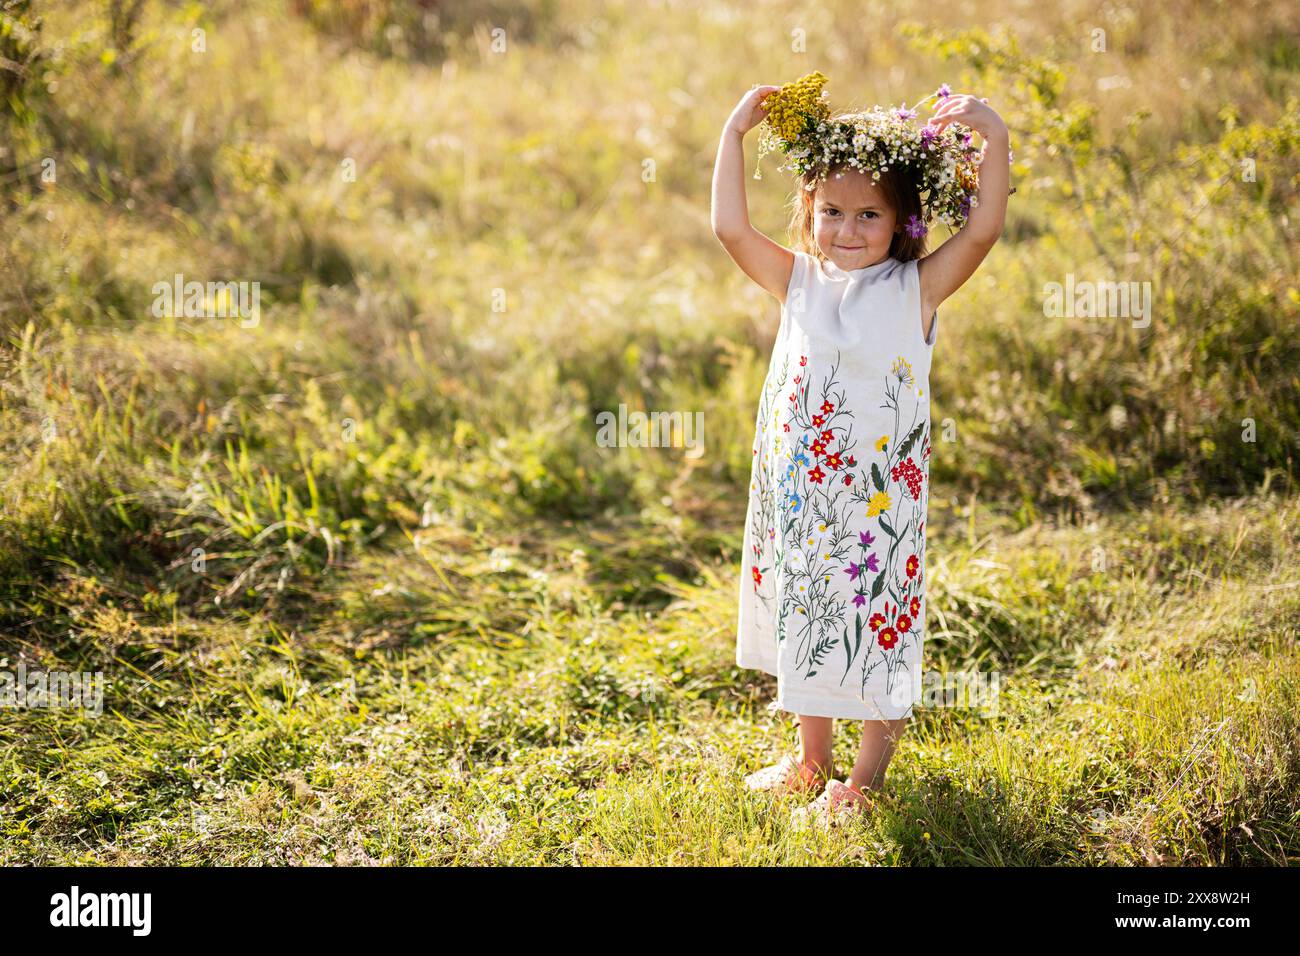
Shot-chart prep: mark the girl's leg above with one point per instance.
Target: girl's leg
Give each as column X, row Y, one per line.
column 879, row 738
column 816, row 735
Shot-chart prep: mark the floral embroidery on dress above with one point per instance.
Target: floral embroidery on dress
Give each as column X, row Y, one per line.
column 817, row 487
column 832, row 601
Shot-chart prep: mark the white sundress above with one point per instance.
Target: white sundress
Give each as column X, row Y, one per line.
column 832, row 587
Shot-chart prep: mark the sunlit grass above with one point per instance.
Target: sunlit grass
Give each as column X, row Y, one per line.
column 364, row 587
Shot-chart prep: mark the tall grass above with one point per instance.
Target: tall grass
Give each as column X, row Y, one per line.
column 350, row 565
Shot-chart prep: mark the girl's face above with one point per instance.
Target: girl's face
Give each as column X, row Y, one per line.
column 853, row 223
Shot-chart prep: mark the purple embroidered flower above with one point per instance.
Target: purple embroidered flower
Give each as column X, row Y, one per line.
column 871, row 564
column 853, row 570
column 915, row 227
column 867, row 538
column 943, row 92
column 859, row 599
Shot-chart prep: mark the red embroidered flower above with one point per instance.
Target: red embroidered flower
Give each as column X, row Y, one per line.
column 803, row 360
column 786, row 426
column 915, row 606
column 904, row 623
column 912, row 566
column 834, row 459
column 816, row 474
column 907, row 471
column 818, row 447
column 875, row 621
column 828, row 435
column 758, row 576
column 819, row 420
column 848, row 479
column 887, row 638
column 852, row 461
column 827, row 407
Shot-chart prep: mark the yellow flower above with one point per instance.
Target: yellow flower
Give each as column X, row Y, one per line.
column 882, row 442
column 877, row 503
column 795, row 104
column 903, row 369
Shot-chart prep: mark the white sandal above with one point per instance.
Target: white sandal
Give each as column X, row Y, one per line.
column 789, row 775
column 835, row 804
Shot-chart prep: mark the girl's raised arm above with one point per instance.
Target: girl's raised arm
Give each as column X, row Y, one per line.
column 768, row 263
column 944, row 270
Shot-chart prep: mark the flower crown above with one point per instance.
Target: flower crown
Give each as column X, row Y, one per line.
column 945, row 164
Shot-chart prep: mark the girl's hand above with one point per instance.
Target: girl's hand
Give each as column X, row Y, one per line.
column 969, row 111
column 748, row 112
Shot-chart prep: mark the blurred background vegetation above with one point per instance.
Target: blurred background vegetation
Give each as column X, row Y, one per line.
column 388, row 464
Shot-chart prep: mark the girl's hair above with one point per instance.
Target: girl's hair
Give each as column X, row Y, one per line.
column 901, row 192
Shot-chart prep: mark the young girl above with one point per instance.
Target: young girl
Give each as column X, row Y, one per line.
column 832, row 598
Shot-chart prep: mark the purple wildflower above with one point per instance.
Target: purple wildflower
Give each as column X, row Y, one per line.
column 905, row 114
column 915, row 227
column 927, row 135
column 943, row 92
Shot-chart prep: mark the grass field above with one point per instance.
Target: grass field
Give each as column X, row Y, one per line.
column 365, row 589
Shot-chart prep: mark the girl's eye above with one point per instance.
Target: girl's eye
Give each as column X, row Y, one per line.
column 869, row 213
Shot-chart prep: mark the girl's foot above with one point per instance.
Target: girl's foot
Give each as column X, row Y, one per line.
column 788, row 776
column 838, row 803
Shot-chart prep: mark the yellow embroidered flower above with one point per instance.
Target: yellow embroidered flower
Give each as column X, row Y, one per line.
column 877, row 503
column 903, row 369
column 882, row 442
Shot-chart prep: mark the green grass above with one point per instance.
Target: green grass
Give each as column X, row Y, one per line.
column 364, row 588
